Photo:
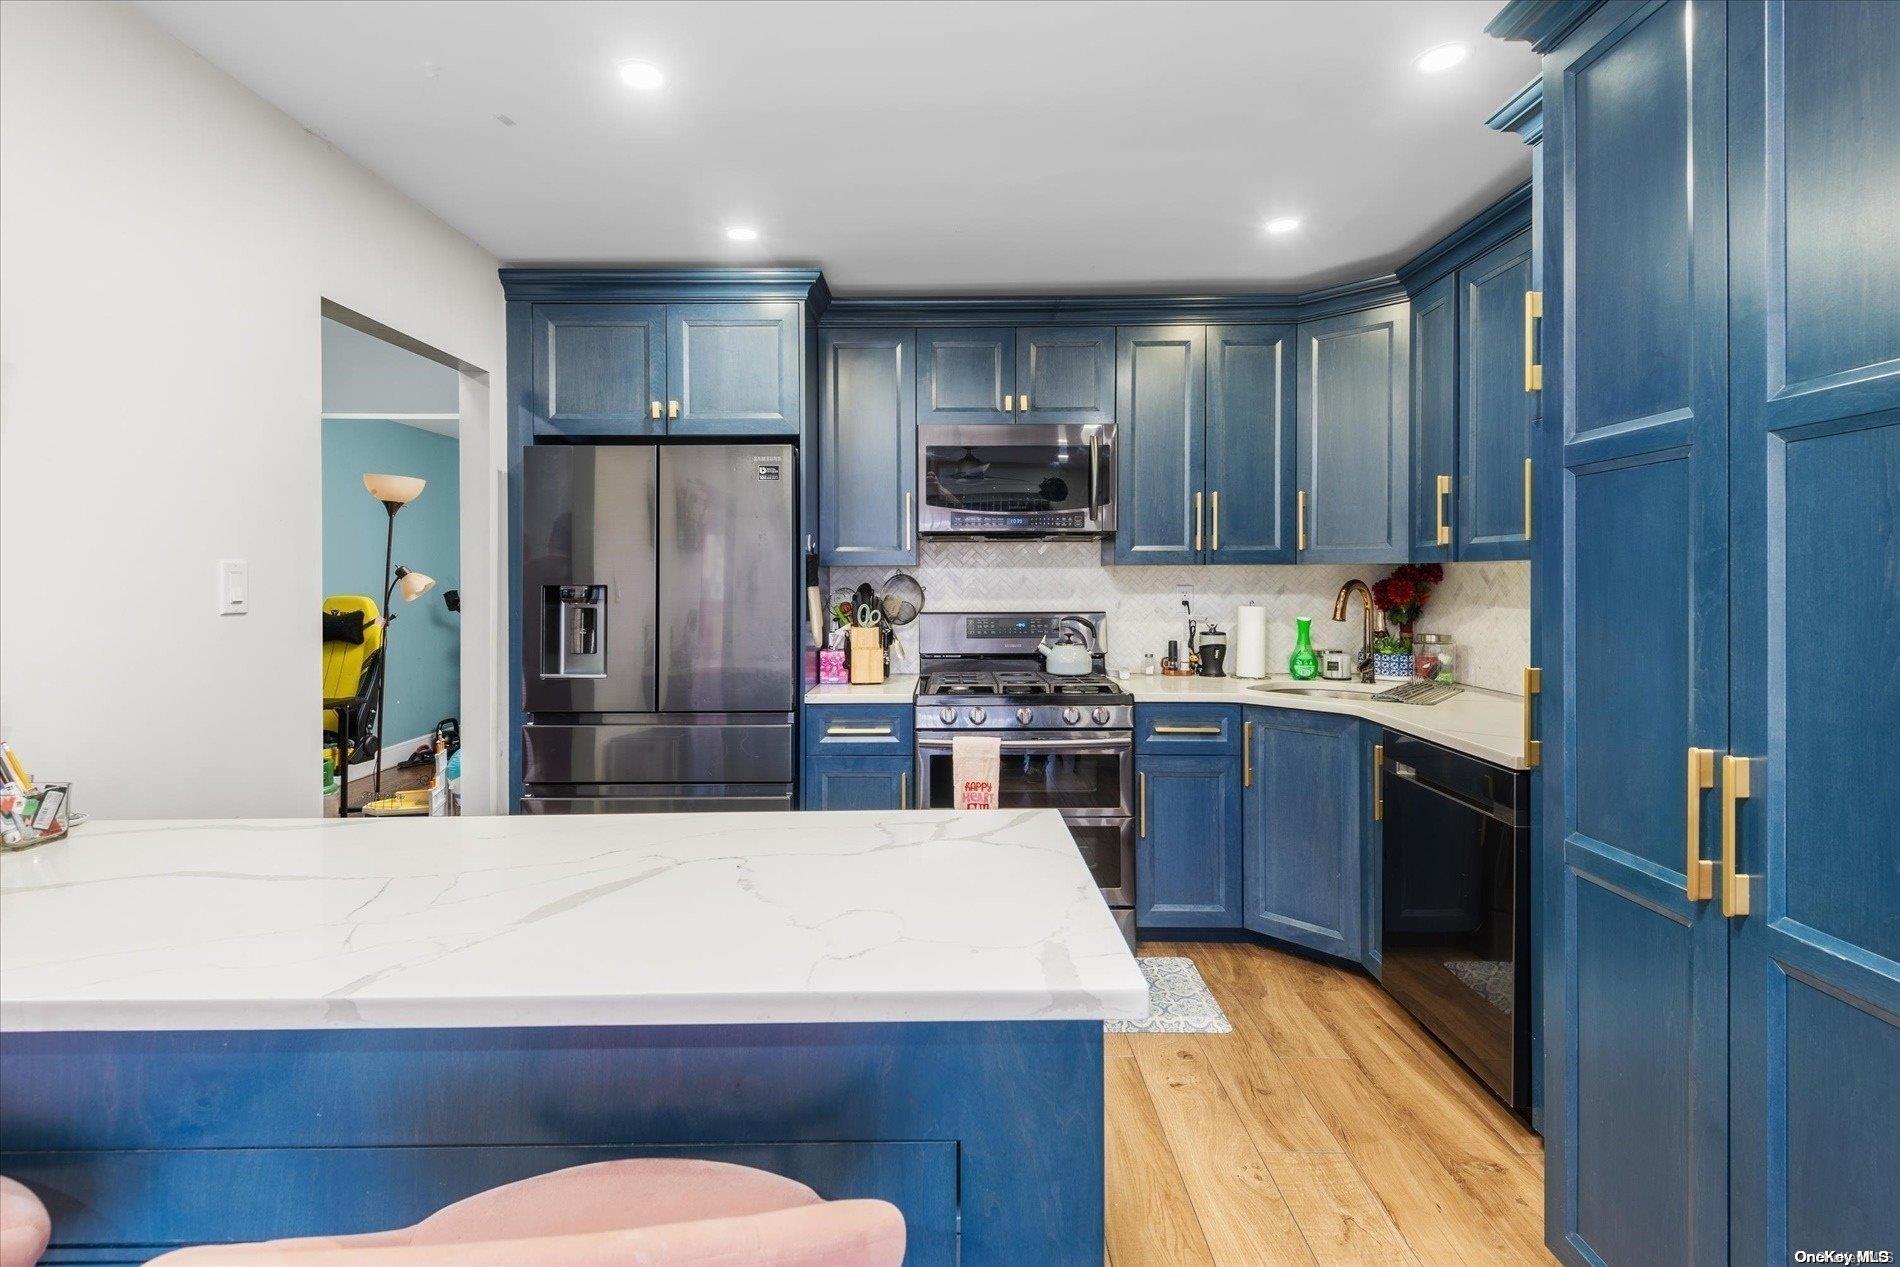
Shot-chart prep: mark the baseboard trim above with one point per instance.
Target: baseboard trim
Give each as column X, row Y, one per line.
column 390, row 756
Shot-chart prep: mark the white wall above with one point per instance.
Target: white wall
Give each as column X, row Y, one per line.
column 165, row 240
column 364, row 375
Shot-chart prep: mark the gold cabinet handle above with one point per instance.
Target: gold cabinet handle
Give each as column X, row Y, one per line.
column 1299, row 519
column 903, row 789
column 1186, row 730
column 1214, row 504
column 910, row 519
column 858, row 731
column 1022, row 402
column 1009, row 404
column 1378, row 782
column 1197, row 519
column 1141, row 790
column 672, row 409
column 1527, row 499
column 1533, row 747
column 1246, row 754
column 1735, row 886
column 1698, row 872
column 656, row 409
column 1444, row 495
column 1533, row 312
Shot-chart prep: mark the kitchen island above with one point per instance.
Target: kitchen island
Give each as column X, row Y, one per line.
column 244, row 1029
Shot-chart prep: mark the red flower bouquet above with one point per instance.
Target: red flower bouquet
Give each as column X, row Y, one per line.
column 1403, row 595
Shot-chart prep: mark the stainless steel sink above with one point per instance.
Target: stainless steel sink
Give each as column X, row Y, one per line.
column 1327, row 692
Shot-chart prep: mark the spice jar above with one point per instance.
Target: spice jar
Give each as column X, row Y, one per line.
column 1434, row 658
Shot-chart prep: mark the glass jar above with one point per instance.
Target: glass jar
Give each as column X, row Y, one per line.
column 1434, row 658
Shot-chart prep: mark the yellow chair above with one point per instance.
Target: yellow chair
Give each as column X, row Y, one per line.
column 351, row 671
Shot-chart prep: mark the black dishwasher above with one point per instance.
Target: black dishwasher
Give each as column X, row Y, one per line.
column 1456, row 920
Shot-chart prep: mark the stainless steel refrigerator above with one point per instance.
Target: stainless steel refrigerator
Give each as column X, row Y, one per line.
column 660, row 648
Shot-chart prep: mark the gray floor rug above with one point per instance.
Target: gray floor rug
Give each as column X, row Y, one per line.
column 1179, row 1002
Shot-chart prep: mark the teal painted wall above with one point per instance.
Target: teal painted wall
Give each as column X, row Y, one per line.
column 424, row 683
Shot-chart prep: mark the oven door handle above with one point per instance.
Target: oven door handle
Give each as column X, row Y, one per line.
column 1045, row 745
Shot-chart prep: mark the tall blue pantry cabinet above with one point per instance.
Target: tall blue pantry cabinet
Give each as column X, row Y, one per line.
column 1721, row 827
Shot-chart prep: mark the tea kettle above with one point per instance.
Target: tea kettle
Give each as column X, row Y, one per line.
column 1069, row 655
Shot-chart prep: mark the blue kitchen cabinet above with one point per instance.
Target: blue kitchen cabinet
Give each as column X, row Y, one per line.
column 867, row 447
column 598, row 369
column 1814, row 488
column 1304, row 822
column 733, row 369
column 1495, row 407
column 1353, row 500
column 1065, row 374
column 1188, row 773
column 1161, row 390
column 1206, row 444
column 857, row 756
column 1435, row 423
column 966, row 375
column 1250, row 444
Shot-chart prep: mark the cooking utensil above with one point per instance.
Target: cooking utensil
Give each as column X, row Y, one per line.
column 903, row 598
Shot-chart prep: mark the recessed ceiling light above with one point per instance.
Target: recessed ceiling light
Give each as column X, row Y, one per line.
column 741, row 233
column 642, row 75
column 1284, row 224
column 1444, row 57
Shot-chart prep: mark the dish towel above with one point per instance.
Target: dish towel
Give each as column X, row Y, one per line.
column 976, row 770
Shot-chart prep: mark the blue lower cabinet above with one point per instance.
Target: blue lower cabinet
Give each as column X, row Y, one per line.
column 1304, row 819
column 857, row 756
column 1187, row 849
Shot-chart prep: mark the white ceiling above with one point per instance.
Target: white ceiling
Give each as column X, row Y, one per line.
column 976, row 147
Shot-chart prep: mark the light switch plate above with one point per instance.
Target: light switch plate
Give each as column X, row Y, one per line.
column 234, row 587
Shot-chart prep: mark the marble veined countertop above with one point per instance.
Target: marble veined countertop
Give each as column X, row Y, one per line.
column 585, row 920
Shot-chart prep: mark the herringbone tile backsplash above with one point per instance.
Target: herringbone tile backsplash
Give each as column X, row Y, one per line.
column 1485, row 606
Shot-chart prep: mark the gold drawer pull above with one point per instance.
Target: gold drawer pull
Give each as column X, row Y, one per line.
column 1246, row 754
column 1444, row 494
column 672, row 409
column 883, row 732
column 1736, row 887
column 1378, row 782
column 1533, row 747
column 656, row 409
column 1187, row 730
column 1009, row 404
column 1698, row 872
column 1022, row 403
column 1533, row 312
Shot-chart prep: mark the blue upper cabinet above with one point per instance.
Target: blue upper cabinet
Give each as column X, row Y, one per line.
column 1162, row 400
column 1495, row 406
column 1305, row 829
column 1814, row 394
column 1354, row 473
column 867, row 447
column 1065, row 374
column 733, row 369
column 966, row 375
column 1435, row 421
column 1250, row 446
column 599, row 369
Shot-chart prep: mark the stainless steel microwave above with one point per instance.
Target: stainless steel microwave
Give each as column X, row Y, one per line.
column 1016, row 480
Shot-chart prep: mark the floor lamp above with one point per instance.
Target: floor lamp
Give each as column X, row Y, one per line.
column 394, row 492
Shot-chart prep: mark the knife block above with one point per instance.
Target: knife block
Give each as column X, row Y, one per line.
column 867, row 655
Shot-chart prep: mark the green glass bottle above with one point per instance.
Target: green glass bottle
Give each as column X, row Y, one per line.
column 1304, row 665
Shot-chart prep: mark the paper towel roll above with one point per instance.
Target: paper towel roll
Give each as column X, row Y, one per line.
column 1250, row 641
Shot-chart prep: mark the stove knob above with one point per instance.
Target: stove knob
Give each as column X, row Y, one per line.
column 949, row 715
column 978, row 717
column 1073, row 716
column 1024, row 716
column 1101, row 716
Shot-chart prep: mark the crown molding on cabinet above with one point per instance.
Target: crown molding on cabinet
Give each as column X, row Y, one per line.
column 607, row 284
column 1522, row 114
column 1503, row 219
column 1540, row 23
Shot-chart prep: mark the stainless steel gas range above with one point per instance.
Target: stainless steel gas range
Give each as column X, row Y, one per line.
column 1068, row 742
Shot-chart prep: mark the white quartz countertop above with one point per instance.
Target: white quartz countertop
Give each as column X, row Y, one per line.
column 1488, row 725
column 586, row 920
column 896, row 689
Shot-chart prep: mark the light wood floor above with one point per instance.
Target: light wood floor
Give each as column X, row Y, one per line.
column 1327, row 1128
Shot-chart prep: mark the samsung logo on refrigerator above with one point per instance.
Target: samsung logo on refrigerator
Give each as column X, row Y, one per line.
column 768, row 470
